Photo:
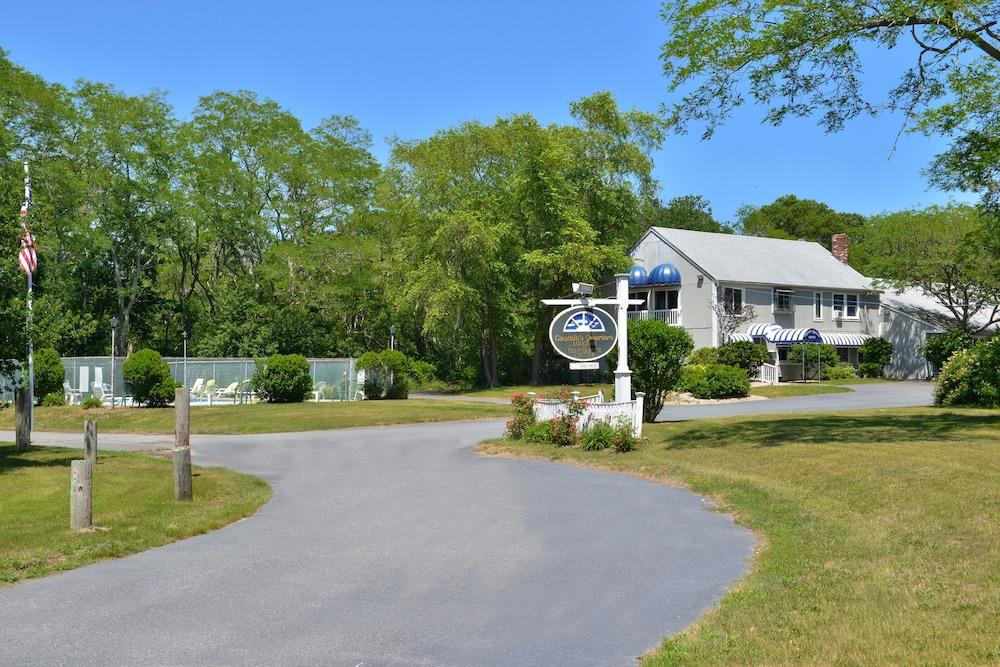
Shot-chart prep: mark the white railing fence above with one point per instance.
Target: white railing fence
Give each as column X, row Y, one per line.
column 672, row 316
column 547, row 409
column 767, row 373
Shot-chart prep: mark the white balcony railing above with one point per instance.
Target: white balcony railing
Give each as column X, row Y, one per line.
column 672, row 316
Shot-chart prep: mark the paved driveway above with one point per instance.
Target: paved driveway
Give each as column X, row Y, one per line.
column 864, row 396
column 395, row 546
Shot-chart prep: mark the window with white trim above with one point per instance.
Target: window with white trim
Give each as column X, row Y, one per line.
column 852, row 306
column 782, row 300
column 817, row 306
column 845, row 306
column 732, row 298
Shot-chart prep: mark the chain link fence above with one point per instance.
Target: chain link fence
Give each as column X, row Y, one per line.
column 333, row 379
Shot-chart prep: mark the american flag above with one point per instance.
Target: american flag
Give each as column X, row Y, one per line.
column 27, row 258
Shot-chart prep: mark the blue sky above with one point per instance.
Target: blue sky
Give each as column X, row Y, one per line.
column 407, row 69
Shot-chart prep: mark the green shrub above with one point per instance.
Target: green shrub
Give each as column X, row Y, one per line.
column 422, row 372
column 49, row 373
column 538, row 432
column 867, row 369
column 938, row 348
column 875, row 355
column 283, row 378
column 694, row 378
column 716, row 381
column 840, row 372
column 971, row 377
column 150, row 377
column 656, row 353
column 624, row 440
column 563, row 431
column 816, row 355
column 387, row 374
column 90, row 402
column 372, row 388
column 704, row 356
column 744, row 354
column 53, row 399
column 524, row 415
column 399, row 388
column 599, row 436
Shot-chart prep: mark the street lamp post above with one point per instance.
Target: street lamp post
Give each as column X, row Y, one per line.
column 184, row 335
column 114, row 326
column 392, row 337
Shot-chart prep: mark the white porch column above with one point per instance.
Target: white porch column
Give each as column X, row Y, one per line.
column 623, row 376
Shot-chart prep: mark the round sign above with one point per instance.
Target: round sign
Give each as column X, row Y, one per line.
column 583, row 334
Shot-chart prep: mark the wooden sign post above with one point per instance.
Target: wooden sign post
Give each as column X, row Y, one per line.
column 182, row 445
column 22, row 419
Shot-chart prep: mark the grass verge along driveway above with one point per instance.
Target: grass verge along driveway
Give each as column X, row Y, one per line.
column 879, row 533
column 134, row 508
column 259, row 418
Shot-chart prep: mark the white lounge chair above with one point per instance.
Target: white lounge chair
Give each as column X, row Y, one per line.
column 102, row 392
column 318, row 390
column 229, row 392
column 198, row 388
column 72, row 395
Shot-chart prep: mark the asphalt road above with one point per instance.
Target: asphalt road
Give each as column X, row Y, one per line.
column 864, row 396
column 394, row 546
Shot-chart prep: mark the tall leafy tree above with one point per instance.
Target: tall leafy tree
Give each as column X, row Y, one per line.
column 789, row 217
column 126, row 146
column 941, row 250
column 803, row 58
column 492, row 218
column 687, row 212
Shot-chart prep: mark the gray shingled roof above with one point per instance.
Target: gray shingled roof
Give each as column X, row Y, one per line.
column 916, row 303
column 754, row 259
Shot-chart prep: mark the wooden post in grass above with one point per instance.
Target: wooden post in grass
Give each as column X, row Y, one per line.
column 182, row 445
column 22, row 419
column 90, row 441
column 81, row 501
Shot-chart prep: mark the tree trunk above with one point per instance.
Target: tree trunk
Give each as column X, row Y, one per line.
column 536, row 357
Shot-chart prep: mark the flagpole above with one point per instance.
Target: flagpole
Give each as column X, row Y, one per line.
column 31, row 364
column 29, row 261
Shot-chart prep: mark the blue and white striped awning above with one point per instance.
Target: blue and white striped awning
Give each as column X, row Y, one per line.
column 733, row 337
column 844, row 339
column 762, row 330
column 795, row 336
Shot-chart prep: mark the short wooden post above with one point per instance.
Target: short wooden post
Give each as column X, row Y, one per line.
column 90, row 441
column 182, row 448
column 80, row 495
column 640, row 398
column 22, row 419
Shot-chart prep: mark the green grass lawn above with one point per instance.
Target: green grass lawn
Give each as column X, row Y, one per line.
column 259, row 418
column 879, row 533
column 507, row 392
column 789, row 390
column 134, row 508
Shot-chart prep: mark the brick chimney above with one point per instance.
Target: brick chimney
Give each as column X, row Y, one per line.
column 839, row 246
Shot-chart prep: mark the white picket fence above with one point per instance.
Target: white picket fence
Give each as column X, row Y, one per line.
column 597, row 410
column 767, row 373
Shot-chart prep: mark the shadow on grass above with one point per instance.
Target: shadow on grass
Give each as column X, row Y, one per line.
column 10, row 459
column 871, row 428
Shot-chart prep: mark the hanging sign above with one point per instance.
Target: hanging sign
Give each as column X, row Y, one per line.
column 581, row 333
